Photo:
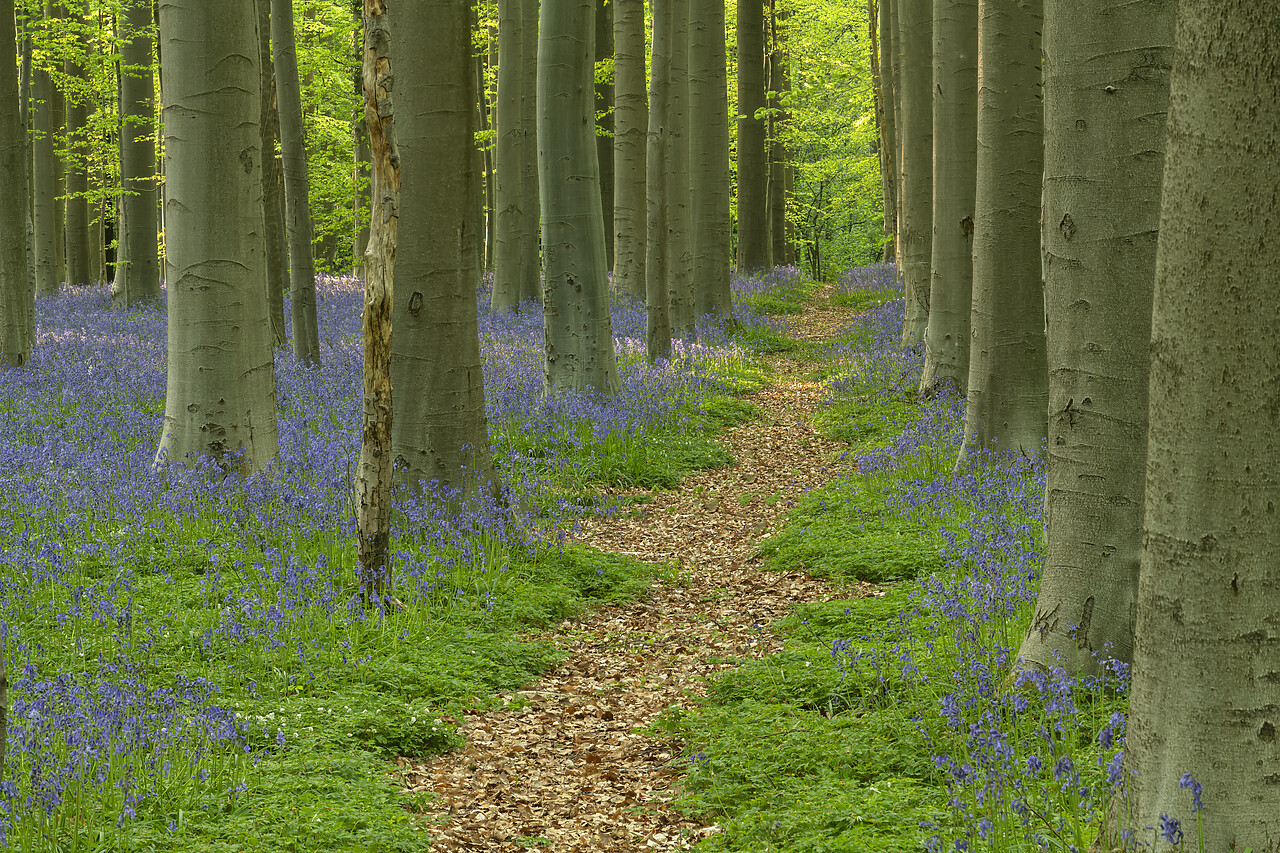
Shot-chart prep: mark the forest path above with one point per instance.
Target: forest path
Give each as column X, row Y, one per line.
column 564, row 768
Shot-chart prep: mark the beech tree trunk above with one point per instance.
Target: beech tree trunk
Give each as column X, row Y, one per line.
column 576, row 315
column 137, row 268
column 439, row 437
column 914, row 40
column 44, row 182
column 888, row 126
column 779, row 83
column 709, row 158
column 15, row 312
column 1102, row 209
column 360, row 154
column 272, row 184
column 657, row 264
column 753, row 175
column 604, row 119
column 297, row 192
column 1205, row 659
column 680, row 282
column 631, row 123
column 375, row 472
column 1008, row 373
column 515, row 260
column 955, row 152
column 220, row 401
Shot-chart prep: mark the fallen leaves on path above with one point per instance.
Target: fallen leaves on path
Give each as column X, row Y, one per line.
column 565, row 766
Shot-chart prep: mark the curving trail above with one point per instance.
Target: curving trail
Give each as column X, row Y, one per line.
column 564, row 767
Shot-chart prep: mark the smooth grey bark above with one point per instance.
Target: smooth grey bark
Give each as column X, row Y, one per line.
column 604, row 120
column 1207, row 646
column 753, row 175
column 272, row 184
column 710, row 187
column 515, row 259
column 220, row 401
column 914, row 40
column 658, row 294
column 15, row 312
column 895, row 71
column 576, row 315
column 297, row 186
column 955, row 154
column 137, row 272
column 58, row 123
column 888, row 127
column 680, row 283
column 77, row 164
column 776, row 193
column 44, row 182
column 439, row 435
column 631, row 123
column 1008, row 373
column 1104, row 163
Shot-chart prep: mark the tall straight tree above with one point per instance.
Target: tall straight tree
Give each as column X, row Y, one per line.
column 955, row 152
column 779, row 83
column 579, row 354
column 658, row 293
column 273, row 233
column 44, row 181
column 709, row 158
column 1102, row 209
column 1205, row 661
column 630, row 126
column 360, row 154
column 604, row 118
column 515, row 257
column 297, row 186
column 914, row 40
column 137, row 273
column 375, row 474
column 439, row 432
column 885, row 84
column 753, row 174
column 679, row 242
column 220, row 400
column 15, row 303
column 1008, row 372
column 77, row 153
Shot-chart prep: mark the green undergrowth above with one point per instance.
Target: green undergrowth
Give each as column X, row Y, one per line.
column 792, row 297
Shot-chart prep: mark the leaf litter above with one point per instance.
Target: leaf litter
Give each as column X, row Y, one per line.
column 566, row 765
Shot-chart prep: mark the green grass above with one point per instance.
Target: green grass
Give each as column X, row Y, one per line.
column 790, row 298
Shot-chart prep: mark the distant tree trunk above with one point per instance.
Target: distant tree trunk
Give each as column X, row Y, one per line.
column 753, row 176
column 955, row 153
column 375, row 473
column 680, row 282
column 631, row 122
column 777, row 190
column 657, row 261
column 77, row 203
column 58, row 123
column 439, row 434
column 605, row 119
column 272, row 184
column 15, row 314
column 1102, row 206
column 882, row 54
column 484, row 62
column 709, row 156
column 44, row 181
column 137, row 271
column 895, row 72
column 1008, row 373
column 297, row 192
column 915, row 120
column 515, row 260
column 220, row 401
column 1205, row 660
column 577, row 319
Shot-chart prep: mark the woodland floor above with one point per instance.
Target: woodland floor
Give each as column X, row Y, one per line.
column 566, row 766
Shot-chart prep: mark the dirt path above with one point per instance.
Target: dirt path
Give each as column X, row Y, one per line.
column 563, row 769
